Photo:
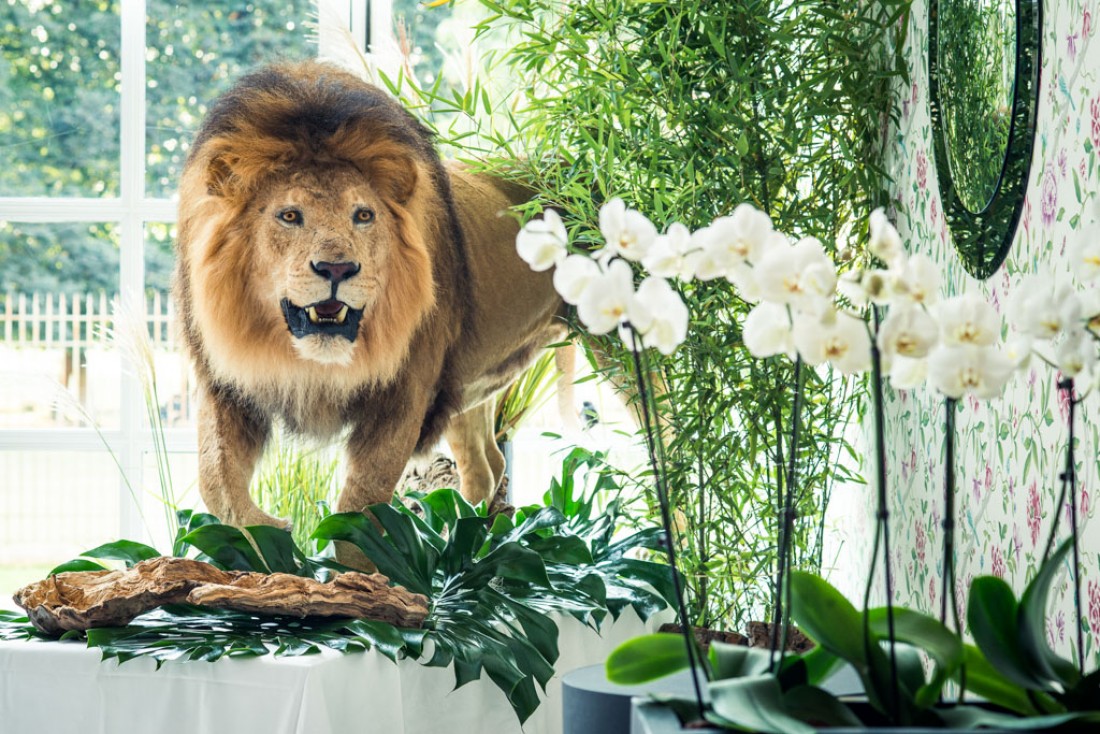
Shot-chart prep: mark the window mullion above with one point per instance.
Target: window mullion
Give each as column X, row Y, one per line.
column 131, row 256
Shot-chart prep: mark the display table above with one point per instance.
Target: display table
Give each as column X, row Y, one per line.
column 63, row 688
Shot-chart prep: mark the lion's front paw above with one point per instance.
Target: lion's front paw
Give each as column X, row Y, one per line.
column 256, row 516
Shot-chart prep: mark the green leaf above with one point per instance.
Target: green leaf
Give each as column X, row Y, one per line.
column 277, row 548
column 1032, row 623
column 928, row 634
column 992, row 613
column 736, row 661
column 647, row 658
column 227, row 546
column 972, row 717
column 817, row 706
column 757, row 704
column 357, row 529
column 987, row 681
column 828, row 618
column 123, row 550
column 77, row 564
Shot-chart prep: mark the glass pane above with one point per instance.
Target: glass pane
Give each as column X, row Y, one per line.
column 57, row 365
column 194, row 52
column 59, row 98
column 170, row 381
column 47, row 518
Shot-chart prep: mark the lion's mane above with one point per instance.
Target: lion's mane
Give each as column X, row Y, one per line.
column 274, row 122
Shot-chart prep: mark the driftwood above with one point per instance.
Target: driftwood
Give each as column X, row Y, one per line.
column 81, row 600
column 349, row 595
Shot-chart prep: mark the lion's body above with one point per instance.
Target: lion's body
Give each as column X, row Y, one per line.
column 334, row 275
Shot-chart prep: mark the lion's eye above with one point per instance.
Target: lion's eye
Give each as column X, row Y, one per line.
column 363, row 215
column 290, row 216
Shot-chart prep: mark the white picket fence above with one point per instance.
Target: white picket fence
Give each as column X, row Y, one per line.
column 57, row 320
column 66, row 330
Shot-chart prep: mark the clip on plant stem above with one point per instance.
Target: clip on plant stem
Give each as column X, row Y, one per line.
column 666, row 521
column 882, row 530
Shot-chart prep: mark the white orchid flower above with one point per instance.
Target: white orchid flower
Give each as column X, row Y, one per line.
column 850, row 285
column 1043, row 308
column 1018, row 351
column 628, row 233
column 836, row 338
column 958, row 369
column 885, row 242
column 730, row 244
column 917, row 281
column 542, row 242
column 767, row 331
column 1085, row 255
column 801, row 275
column 907, row 373
column 573, row 277
column 673, row 254
column 968, row 319
column 908, row 331
column 607, row 300
column 1075, row 353
column 1090, row 310
column 667, row 315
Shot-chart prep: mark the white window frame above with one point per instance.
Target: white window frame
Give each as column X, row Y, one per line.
column 130, row 211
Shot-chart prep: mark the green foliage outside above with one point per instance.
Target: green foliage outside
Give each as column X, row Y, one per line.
column 59, row 118
column 685, row 110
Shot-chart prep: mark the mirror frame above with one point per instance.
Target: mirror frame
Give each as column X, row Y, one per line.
column 983, row 239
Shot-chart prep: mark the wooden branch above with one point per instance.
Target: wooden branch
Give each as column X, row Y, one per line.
column 79, row 600
column 349, row 595
column 84, row 599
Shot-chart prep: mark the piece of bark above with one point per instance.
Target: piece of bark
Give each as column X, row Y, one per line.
column 350, row 594
column 80, row 600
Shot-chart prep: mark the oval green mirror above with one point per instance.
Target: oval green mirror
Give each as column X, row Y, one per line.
column 983, row 64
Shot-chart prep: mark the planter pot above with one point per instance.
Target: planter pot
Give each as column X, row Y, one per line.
column 593, row 705
column 649, row 717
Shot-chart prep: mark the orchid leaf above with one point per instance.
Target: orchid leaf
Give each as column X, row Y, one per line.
column 1031, row 622
column 757, row 704
column 647, row 658
column 992, row 612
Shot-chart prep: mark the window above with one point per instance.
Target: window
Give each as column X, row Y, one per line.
column 98, row 104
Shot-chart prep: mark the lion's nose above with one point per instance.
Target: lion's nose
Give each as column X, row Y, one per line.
column 335, row 272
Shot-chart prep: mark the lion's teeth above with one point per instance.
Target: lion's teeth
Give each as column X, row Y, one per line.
column 312, row 313
column 342, row 315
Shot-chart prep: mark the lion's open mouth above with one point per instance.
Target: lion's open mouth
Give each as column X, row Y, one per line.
column 330, row 318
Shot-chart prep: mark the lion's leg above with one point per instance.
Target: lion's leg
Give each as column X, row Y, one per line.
column 377, row 456
column 480, row 463
column 231, row 440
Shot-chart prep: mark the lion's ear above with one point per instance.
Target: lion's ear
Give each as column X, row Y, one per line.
column 394, row 176
column 219, row 177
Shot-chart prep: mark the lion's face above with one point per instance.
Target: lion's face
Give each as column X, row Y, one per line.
column 324, row 240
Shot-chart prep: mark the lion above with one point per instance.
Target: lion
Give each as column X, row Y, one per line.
column 335, row 276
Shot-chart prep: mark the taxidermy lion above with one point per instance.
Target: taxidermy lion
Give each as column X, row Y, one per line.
column 334, row 275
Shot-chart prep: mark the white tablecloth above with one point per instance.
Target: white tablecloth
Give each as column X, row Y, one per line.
column 58, row 688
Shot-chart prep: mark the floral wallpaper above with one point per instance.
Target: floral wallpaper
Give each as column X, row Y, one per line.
column 1010, row 450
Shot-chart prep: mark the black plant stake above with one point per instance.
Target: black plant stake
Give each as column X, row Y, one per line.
column 652, row 442
column 1069, row 481
column 882, row 530
column 781, row 620
column 948, row 585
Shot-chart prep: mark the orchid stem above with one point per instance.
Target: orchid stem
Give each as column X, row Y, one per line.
column 948, row 587
column 882, row 531
column 786, row 526
column 652, row 441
